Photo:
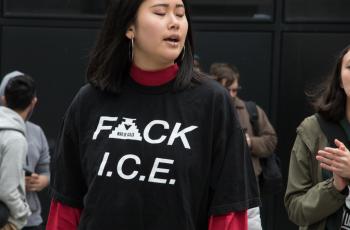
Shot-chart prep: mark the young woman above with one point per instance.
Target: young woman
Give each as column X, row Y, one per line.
column 317, row 191
column 337, row 159
column 148, row 143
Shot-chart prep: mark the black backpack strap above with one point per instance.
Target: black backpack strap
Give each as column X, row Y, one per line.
column 332, row 131
column 271, row 177
column 253, row 115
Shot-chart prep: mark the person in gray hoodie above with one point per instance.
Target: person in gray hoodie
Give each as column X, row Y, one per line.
column 19, row 101
column 37, row 164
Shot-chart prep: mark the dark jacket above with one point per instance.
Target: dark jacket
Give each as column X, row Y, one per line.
column 265, row 143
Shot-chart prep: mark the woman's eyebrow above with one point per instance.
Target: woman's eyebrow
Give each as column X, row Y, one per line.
column 167, row 5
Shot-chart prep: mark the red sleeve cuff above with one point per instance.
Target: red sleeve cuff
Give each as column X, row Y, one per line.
column 63, row 217
column 230, row 221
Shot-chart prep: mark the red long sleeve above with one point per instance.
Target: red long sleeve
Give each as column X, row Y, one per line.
column 230, row 221
column 63, row 217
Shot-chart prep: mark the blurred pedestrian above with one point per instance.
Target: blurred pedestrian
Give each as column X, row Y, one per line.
column 36, row 165
column 19, row 101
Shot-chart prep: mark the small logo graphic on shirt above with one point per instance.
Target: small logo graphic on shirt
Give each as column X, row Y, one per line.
column 127, row 130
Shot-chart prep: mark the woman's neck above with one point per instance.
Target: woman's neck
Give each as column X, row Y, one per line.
column 148, row 64
column 153, row 77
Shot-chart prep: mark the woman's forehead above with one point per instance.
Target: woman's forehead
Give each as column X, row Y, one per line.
column 178, row 3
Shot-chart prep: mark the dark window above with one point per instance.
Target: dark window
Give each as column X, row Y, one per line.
column 236, row 10
column 318, row 10
column 54, row 8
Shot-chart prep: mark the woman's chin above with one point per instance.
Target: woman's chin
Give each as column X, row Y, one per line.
column 170, row 58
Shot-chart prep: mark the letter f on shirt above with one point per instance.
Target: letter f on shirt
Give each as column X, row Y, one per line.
column 101, row 127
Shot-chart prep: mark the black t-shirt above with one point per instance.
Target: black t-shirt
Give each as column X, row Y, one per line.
column 152, row 159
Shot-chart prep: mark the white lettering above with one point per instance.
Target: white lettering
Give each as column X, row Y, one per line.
column 120, row 166
column 176, row 133
column 148, row 128
column 155, row 170
column 128, row 130
column 100, row 126
column 103, row 164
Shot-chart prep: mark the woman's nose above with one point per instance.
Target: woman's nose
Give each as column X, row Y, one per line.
column 174, row 23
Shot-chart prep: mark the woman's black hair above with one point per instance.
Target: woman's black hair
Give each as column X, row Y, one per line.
column 329, row 98
column 109, row 61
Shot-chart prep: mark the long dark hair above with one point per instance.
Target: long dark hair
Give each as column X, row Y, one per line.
column 109, row 61
column 329, row 99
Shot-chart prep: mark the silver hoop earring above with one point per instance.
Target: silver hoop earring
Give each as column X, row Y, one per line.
column 183, row 53
column 131, row 49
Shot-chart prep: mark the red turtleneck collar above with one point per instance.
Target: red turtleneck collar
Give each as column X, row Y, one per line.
column 153, row 78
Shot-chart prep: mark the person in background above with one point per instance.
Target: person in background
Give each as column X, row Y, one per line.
column 148, row 143
column 317, row 194
column 36, row 164
column 19, row 101
column 261, row 144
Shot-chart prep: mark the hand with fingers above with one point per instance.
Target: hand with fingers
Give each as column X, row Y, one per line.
column 336, row 160
column 36, row 182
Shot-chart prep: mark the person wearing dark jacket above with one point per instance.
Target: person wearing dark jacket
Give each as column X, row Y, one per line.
column 261, row 144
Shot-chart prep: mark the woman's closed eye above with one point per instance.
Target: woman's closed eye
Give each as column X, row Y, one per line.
column 160, row 13
column 163, row 14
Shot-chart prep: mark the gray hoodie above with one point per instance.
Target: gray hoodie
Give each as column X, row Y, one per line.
column 6, row 79
column 38, row 157
column 13, row 150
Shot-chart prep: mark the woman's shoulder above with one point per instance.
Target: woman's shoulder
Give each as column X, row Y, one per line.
column 86, row 93
column 86, row 90
column 85, row 96
column 309, row 123
column 310, row 131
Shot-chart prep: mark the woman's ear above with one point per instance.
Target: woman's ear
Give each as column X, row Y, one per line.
column 130, row 32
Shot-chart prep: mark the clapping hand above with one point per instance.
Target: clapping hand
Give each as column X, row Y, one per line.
column 336, row 160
